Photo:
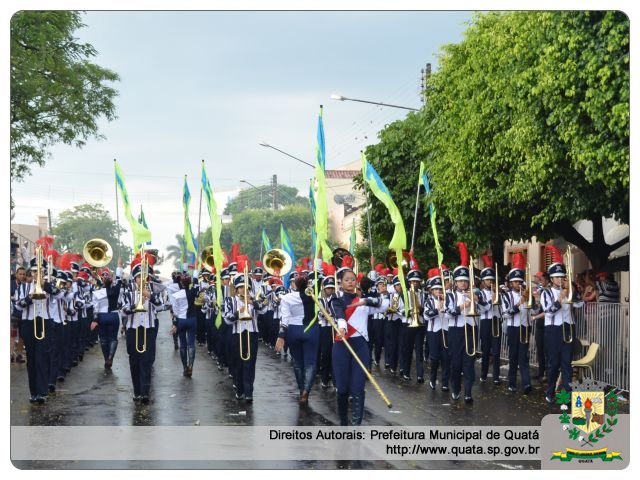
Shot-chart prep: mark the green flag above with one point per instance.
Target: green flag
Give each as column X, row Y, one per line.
column 189, row 239
column 399, row 240
column 322, row 214
column 141, row 234
column 216, row 230
column 265, row 240
column 424, row 178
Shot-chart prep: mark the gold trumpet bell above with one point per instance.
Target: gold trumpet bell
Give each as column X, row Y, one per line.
column 277, row 262
column 97, row 252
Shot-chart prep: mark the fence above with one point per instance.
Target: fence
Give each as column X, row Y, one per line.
column 606, row 324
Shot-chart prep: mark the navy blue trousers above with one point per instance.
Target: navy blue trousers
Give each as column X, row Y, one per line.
column 37, row 356
column 108, row 326
column 392, row 343
column 140, row 363
column 438, row 355
column 518, row 357
column 490, row 347
column 326, row 348
column 558, row 355
column 304, row 350
column 244, row 370
column 187, row 331
column 55, row 333
column 459, row 360
column 414, row 342
column 348, row 377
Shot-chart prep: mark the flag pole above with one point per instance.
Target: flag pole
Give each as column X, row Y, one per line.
column 261, row 244
column 199, row 218
column 117, row 214
column 366, row 202
column 415, row 216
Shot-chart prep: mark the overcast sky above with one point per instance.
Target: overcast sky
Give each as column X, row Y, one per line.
column 213, row 85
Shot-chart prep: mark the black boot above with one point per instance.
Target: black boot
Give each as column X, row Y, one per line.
column 191, row 357
column 357, row 409
column 343, row 408
column 183, row 357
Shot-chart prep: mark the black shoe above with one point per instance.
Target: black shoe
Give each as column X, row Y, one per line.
column 324, row 386
column 60, row 378
column 432, row 385
column 41, row 399
column 549, row 400
column 230, row 376
column 74, row 363
column 468, row 399
column 66, row 370
column 406, row 377
column 220, row 367
column 496, row 382
column 249, row 399
column 137, row 399
column 512, row 389
column 445, row 388
column 239, row 396
column 420, row 380
column 33, row 399
column 145, row 399
column 455, row 396
column 483, row 379
column 80, row 357
column 527, row 390
column 52, row 388
column 393, row 371
column 386, row 366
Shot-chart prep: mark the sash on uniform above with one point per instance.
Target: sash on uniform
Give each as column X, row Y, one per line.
column 347, row 313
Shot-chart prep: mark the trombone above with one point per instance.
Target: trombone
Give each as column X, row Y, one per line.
column 144, row 271
column 524, row 339
column 309, row 291
column 472, row 313
column 244, row 315
column 569, row 263
column 445, row 344
column 39, row 296
column 495, row 294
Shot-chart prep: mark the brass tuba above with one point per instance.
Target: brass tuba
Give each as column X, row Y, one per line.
column 414, row 307
column 97, row 252
column 206, row 258
column 277, row 262
column 391, row 260
column 338, row 254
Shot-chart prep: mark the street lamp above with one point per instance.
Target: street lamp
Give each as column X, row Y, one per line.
column 255, row 188
column 342, row 99
column 265, row 144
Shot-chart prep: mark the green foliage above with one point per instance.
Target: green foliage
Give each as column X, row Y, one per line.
column 246, row 229
column 525, row 132
column 564, row 418
column 176, row 251
column 57, row 94
column 563, row 397
column 262, row 198
column 74, row 227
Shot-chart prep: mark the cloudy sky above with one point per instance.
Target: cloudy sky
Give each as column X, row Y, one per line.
column 213, row 85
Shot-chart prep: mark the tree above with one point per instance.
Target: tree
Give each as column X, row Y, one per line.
column 262, row 198
column 74, row 227
column 526, row 130
column 176, row 252
column 246, row 229
column 57, row 94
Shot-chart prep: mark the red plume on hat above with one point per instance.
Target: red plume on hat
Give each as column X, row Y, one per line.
column 444, row 267
column 242, row 261
column 304, row 263
column 65, row 261
column 379, row 268
column 45, row 242
column 298, row 269
column 359, row 276
column 328, row 269
column 433, row 272
column 258, row 264
column 464, row 254
column 487, row 260
column 136, row 261
column 347, row 261
column 235, row 252
column 395, row 271
column 556, row 255
column 275, row 281
column 55, row 255
column 413, row 263
column 518, row 261
column 385, row 271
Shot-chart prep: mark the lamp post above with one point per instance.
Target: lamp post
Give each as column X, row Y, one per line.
column 255, row 188
column 265, row 144
column 343, row 98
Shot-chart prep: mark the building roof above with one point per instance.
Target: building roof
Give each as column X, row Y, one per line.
column 341, row 173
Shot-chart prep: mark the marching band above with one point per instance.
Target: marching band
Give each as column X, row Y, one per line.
column 334, row 323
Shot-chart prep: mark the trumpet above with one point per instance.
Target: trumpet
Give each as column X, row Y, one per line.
column 38, row 296
column 144, row 271
column 309, row 291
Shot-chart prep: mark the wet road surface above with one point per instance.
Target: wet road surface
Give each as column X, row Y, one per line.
column 91, row 396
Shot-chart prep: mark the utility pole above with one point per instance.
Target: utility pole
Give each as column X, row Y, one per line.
column 274, row 190
column 425, row 74
column 50, row 225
